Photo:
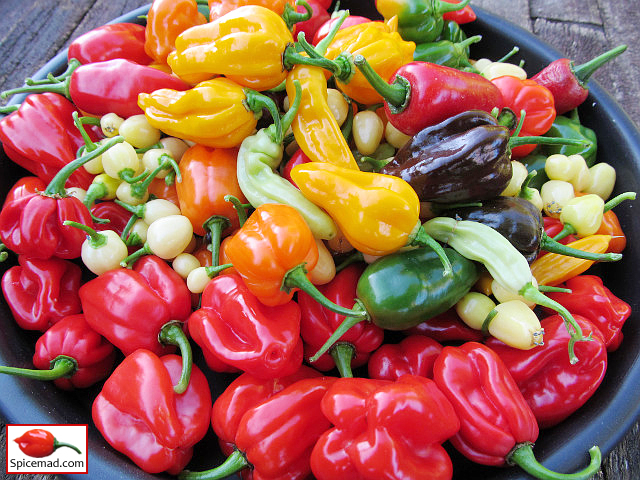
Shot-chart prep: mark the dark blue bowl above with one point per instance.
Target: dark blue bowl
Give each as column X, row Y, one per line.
column 602, row 421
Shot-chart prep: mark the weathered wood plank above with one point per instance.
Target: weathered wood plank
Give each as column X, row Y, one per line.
column 583, row 11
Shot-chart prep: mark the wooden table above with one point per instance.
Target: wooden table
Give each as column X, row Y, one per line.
column 33, row 31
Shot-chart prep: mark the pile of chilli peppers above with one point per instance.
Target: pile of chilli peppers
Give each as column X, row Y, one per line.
column 383, row 240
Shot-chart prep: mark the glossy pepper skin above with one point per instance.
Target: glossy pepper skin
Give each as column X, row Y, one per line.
column 446, row 327
column 376, row 213
column 42, row 292
column 165, row 21
column 234, row 328
column 40, row 443
column 118, row 216
column 218, row 8
column 611, row 226
column 553, row 387
column 245, row 45
column 130, row 306
column 384, row 49
column 274, row 239
column 392, row 289
column 463, row 158
column 115, row 40
column 591, row 299
column 385, row 430
column 536, row 100
column 318, row 323
column 414, row 355
column 73, row 337
column 47, row 117
column 138, row 401
column 208, row 174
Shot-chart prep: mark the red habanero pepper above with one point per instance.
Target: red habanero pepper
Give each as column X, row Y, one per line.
column 551, row 385
column 274, row 439
column 385, row 430
column 421, row 94
column 165, row 21
column 33, row 224
column 117, row 215
column 591, row 299
column 318, row 323
column 23, row 187
column 41, row 292
column 42, row 138
column 40, row 443
column 497, row 427
column 414, row 355
column 567, row 82
column 244, row 393
column 234, row 328
column 114, row 40
column 447, row 327
column 71, row 354
column 142, row 307
column 536, row 100
column 462, row 16
column 105, row 87
column 138, row 402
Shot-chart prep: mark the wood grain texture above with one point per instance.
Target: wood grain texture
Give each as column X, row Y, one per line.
column 33, row 31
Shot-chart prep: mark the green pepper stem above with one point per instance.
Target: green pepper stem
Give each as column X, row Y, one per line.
column 323, row 44
column 517, row 141
column 375, row 164
column 291, row 16
column 522, row 455
column 396, row 94
column 441, row 7
column 4, row 254
column 567, row 229
column 297, row 278
column 171, row 333
column 96, row 239
column 95, row 191
column 234, row 463
column 421, row 238
column 551, row 245
column 256, row 101
column 583, row 72
column 9, row 108
column 513, row 51
column 530, row 292
column 58, row 84
column 484, row 328
column 287, row 118
column 61, row 366
column 548, row 288
column 57, row 444
column 341, row 67
column 167, row 162
column 89, row 144
column 342, row 354
column 291, row 58
column 214, row 271
column 131, row 259
column 346, row 324
column 127, row 228
column 241, row 208
column 618, row 199
column 137, row 210
column 129, row 175
column 216, row 224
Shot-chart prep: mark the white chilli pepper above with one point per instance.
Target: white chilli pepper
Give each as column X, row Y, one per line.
column 603, row 179
column 110, row 124
column 121, row 161
column 338, row 105
column 101, row 251
column 518, row 176
column 175, row 146
column 368, row 129
column 137, row 131
column 103, row 187
column 154, row 157
column 555, row 194
column 325, row 269
column 152, row 210
column 572, row 169
column 395, row 137
column 584, row 214
column 184, row 264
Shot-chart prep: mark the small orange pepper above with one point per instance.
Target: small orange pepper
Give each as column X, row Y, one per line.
column 611, row 226
column 218, row 8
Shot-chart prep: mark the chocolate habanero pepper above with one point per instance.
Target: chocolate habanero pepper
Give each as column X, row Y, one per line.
column 552, row 386
column 42, row 138
column 106, row 42
column 71, row 354
column 165, row 21
column 594, row 301
column 235, row 329
column 414, row 355
column 289, row 423
column 138, row 401
column 421, row 94
column 386, row 430
column 33, row 224
column 466, row 157
column 215, row 113
column 40, row 443
column 42, row 292
column 318, row 323
column 418, row 20
column 105, row 87
column 497, row 426
column 567, row 82
column 142, row 307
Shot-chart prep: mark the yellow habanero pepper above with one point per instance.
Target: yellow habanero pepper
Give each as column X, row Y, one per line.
column 553, row 269
column 378, row 214
column 381, row 45
column 216, row 113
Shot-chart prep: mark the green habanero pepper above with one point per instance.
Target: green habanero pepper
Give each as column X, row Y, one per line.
column 419, row 21
column 258, row 158
column 405, row 288
column 507, row 266
column 447, row 53
column 570, row 127
column 453, row 32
